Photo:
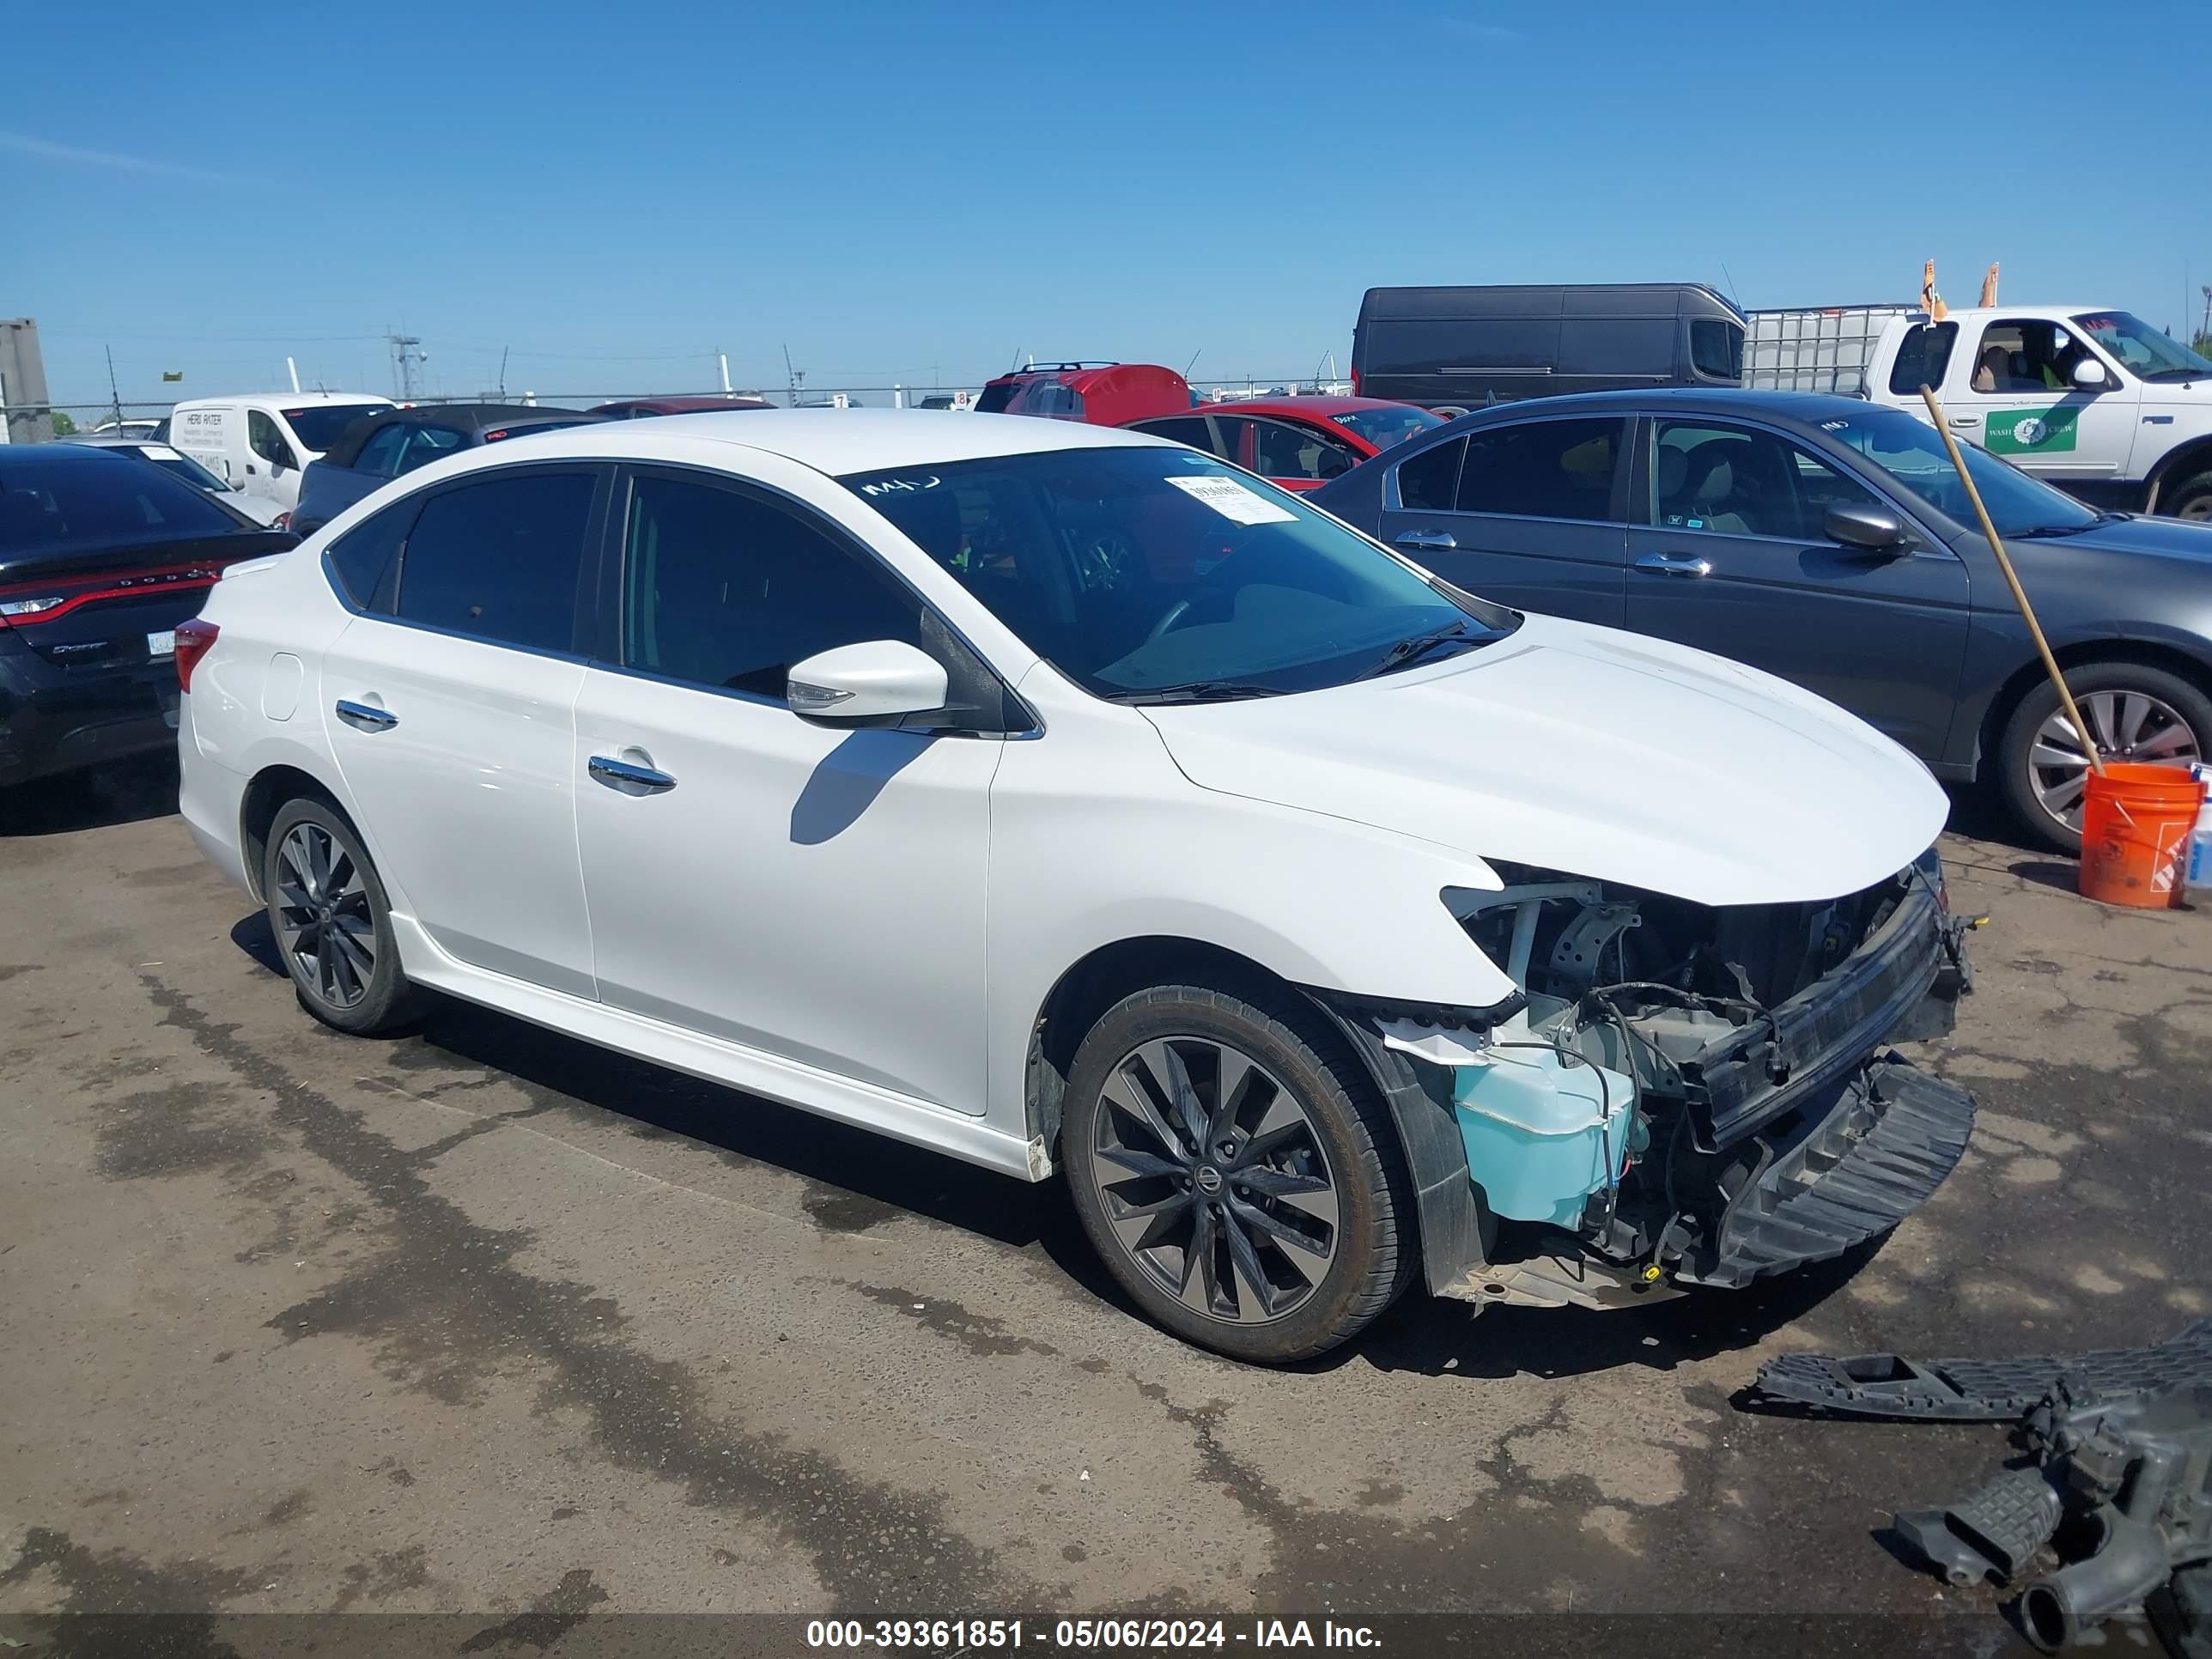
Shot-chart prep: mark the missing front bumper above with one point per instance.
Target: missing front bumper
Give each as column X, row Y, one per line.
column 1892, row 1137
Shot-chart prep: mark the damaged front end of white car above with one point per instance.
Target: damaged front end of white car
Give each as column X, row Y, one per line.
column 1678, row 1094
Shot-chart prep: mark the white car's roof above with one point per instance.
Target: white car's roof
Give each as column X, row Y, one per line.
column 835, row 440
column 290, row 399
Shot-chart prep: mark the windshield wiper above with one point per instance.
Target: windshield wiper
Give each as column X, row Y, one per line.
column 1198, row 692
column 1412, row 650
column 2048, row 531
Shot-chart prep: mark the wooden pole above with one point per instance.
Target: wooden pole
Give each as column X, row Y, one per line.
column 2011, row 580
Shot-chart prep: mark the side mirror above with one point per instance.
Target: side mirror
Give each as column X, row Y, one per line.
column 1874, row 529
column 878, row 683
column 2089, row 375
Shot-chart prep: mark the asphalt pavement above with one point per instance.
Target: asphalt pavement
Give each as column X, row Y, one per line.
column 485, row 1321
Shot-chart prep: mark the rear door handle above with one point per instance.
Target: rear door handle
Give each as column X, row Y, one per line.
column 1675, row 564
column 1966, row 420
column 629, row 778
column 1434, row 540
column 362, row 717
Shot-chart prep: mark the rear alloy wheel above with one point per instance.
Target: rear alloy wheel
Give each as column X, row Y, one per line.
column 1230, row 1175
column 2135, row 714
column 332, row 921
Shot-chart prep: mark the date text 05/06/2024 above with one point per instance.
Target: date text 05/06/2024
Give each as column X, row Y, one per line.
column 1086, row 1635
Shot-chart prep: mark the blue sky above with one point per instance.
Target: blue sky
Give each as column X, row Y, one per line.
column 910, row 192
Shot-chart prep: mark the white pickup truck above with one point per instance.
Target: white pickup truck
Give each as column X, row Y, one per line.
column 2097, row 402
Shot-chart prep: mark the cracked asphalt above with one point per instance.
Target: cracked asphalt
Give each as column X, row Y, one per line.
column 484, row 1321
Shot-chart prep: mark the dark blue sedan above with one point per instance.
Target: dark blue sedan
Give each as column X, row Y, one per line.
column 379, row 447
column 1828, row 541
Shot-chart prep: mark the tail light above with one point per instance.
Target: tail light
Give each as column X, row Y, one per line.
column 193, row 639
column 1355, row 383
column 14, row 612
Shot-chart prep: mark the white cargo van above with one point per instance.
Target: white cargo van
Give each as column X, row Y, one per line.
column 263, row 440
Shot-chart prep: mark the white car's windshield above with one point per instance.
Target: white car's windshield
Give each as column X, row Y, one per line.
column 2143, row 351
column 1912, row 451
column 1157, row 574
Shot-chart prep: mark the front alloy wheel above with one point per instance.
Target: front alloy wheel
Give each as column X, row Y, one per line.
column 2126, row 726
column 1214, row 1180
column 2135, row 711
column 1238, row 1170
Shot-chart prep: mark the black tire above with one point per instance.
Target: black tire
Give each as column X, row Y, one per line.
column 2188, row 498
column 2018, row 776
column 1347, row 1140
column 364, row 999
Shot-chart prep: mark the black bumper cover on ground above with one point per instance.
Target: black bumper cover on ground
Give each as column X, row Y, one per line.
column 1878, row 1154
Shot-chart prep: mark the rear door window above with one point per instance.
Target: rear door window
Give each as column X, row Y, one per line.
column 498, row 560
column 1190, row 429
column 1543, row 469
column 1924, row 356
column 1429, row 481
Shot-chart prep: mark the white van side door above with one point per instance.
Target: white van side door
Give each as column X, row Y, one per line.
column 204, row 434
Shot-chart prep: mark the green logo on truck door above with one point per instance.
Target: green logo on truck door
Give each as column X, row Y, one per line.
column 2030, row 431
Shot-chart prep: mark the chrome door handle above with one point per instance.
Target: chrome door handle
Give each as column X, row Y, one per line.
column 621, row 775
column 1675, row 564
column 1966, row 420
column 1431, row 539
column 364, row 718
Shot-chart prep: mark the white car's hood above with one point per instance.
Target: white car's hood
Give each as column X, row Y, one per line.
column 1591, row 752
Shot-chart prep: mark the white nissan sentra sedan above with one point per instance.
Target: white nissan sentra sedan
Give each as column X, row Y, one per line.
column 1064, row 800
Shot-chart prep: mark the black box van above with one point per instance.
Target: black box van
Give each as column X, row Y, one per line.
column 1460, row 347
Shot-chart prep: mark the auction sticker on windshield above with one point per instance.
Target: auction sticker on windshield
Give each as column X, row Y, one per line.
column 1233, row 502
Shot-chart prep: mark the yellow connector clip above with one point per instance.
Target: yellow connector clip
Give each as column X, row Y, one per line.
column 1651, row 1273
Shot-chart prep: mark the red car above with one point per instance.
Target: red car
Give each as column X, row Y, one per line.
column 638, row 409
column 1300, row 443
column 1101, row 394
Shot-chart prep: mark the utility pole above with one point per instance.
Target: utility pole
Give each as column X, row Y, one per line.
column 794, row 379
column 406, row 352
column 503, row 374
column 114, row 397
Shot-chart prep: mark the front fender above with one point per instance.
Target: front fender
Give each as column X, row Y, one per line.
column 1096, row 842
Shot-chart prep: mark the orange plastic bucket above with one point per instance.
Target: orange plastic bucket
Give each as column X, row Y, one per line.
column 2135, row 821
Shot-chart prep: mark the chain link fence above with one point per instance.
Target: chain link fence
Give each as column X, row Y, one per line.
column 28, row 424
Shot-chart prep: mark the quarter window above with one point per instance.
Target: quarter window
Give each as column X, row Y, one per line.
column 380, row 455
column 500, row 559
column 1738, row 480
column 426, row 444
column 725, row 590
column 364, row 559
column 1542, row 470
column 1924, row 356
column 1429, row 481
